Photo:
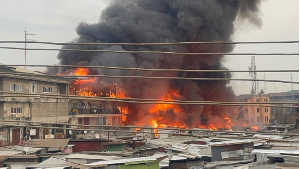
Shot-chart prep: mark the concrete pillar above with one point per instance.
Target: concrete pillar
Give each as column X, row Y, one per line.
column 41, row 133
column 50, row 130
column 65, row 130
column 10, row 135
column 22, row 133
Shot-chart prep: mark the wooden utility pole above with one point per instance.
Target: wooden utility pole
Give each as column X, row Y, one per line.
column 26, row 33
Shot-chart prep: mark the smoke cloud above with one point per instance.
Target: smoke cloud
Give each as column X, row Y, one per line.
column 133, row 21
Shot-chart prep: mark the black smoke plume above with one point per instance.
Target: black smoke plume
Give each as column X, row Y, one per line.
column 134, row 21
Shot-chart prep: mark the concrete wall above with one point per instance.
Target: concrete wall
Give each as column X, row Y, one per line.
column 251, row 114
column 9, row 105
column 37, row 108
column 56, row 88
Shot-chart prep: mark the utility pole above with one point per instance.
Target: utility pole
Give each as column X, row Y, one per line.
column 26, row 33
column 265, row 85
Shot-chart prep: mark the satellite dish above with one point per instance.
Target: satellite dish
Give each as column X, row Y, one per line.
column 92, row 131
column 85, row 132
column 70, row 131
column 26, row 149
column 97, row 136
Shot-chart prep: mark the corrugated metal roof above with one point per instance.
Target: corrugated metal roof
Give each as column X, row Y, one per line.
column 129, row 160
column 264, row 151
column 91, row 157
column 49, row 143
column 233, row 142
column 51, row 163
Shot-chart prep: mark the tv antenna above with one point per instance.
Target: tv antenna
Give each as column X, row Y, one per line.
column 26, row 33
column 255, row 83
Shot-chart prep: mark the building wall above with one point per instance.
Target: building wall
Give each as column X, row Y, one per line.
column 56, row 87
column 285, row 115
column 8, row 106
column 37, row 108
column 255, row 115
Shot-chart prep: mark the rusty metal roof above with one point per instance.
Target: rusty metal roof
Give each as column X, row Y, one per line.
column 49, row 143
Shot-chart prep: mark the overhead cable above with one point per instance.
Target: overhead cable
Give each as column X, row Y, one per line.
column 147, row 52
column 120, row 100
column 149, row 77
column 154, row 44
column 158, row 70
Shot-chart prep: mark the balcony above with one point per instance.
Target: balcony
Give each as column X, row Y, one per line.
column 93, row 111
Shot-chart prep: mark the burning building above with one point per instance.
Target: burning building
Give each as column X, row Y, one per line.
column 154, row 21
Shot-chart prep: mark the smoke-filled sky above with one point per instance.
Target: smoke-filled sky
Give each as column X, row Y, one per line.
column 56, row 21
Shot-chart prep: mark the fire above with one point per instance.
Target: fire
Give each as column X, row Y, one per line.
column 212, row 126
column 254, row 128
column 158, row 112
column 86, row 89
column 83, row 72
column 123, row 111
column 160, row 115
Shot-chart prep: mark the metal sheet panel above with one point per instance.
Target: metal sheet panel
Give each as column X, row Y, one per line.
column 153, row 165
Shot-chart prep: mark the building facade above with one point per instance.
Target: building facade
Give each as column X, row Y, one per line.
column 15, row 104
column 285, row 115
column 254, row 115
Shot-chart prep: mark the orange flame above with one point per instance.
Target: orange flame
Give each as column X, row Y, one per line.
column 83, row 72
column 254, row 128
column 226, row 126
column 158, row 111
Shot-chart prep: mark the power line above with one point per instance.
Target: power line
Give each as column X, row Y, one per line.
column 159, row 70
column 120, row 131
column 140, row 101
column 135, row 99
column 148, row 52
column 156, row 44
column 149, row 77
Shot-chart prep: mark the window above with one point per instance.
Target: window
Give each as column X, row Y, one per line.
column 257, row 100
column 266, row 110
column 246, row 111
column 47, row 89
column 12, row 87
column 15, row 110
column 33, row 88
column 15, row 87
column 257, row 110
column 257, row 119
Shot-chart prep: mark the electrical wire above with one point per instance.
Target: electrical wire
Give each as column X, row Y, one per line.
column 148, row 77
column 141, row 101
column 147, row 52
column 120, row 131
column 136, row 99
column 144, row 69
column 153, row 44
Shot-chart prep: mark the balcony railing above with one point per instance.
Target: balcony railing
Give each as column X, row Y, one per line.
column 76, row 111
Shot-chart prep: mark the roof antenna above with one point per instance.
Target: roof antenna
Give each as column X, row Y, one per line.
column 26, row 33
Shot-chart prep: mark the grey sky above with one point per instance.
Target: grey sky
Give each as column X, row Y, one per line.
column 56, row 21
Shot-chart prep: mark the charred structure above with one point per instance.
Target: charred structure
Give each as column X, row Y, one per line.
column 134, row 21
